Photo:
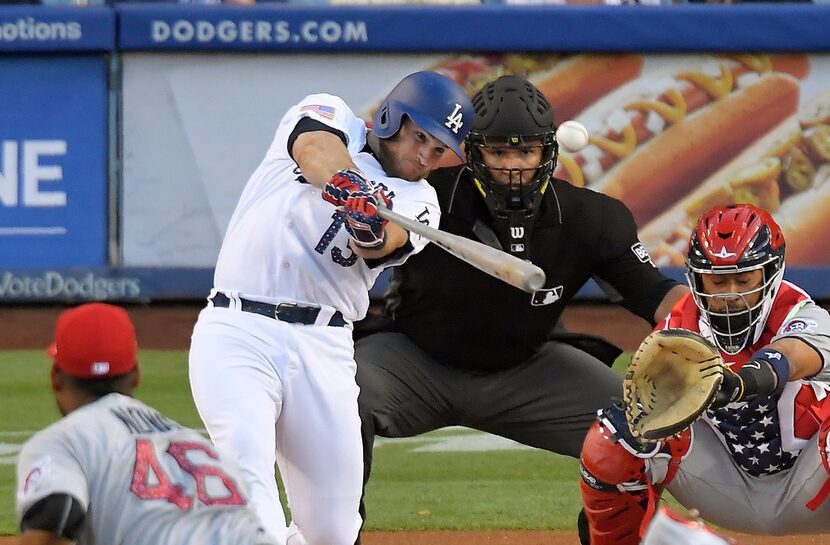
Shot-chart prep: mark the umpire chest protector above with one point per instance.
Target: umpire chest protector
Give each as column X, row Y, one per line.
column 465, row 318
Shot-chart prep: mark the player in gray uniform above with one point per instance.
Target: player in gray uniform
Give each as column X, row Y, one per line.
column 757, row 462
column 115, row 471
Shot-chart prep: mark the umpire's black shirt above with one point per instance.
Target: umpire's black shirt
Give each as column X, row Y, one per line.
column 465, row 318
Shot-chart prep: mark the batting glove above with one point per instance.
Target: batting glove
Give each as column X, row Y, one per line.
column 345, row 183
column 367, row 229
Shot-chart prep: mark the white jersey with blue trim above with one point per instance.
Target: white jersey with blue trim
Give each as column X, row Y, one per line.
column 285, row 243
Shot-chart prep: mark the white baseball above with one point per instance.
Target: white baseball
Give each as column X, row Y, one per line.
column 572, row 135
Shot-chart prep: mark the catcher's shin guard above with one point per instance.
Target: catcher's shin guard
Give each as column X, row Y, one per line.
column 614, row 492
column 614, row 518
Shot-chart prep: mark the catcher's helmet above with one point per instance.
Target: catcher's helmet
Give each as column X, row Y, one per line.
column 736, row 239
column 511, row 112
column 436, row 103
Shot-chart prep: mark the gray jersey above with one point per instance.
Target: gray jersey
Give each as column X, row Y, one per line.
column 142, row 478
column 753, row 466
column 811, row 324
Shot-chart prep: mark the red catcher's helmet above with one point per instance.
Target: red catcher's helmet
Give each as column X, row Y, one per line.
column 736, row 239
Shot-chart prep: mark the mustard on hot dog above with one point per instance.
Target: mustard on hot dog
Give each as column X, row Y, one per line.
column 638, row 121
column 791, row 165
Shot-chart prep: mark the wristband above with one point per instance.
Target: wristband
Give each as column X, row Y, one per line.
column 765, row 374
column 374, row 245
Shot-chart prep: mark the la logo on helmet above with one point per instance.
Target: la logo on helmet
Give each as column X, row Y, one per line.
column 455, row 120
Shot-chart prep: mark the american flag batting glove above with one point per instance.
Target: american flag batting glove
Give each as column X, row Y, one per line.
column 343, row 184
column 367, row 229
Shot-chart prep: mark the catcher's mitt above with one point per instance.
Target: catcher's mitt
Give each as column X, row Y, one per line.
column 673, row 377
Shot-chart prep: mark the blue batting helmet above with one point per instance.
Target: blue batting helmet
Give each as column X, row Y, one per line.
column 434, row 102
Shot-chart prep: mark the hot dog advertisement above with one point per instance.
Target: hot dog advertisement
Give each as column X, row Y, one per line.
column 569, row 82
column 668, row 134
column 671, row 136
column 786, row 172
column 651, row 140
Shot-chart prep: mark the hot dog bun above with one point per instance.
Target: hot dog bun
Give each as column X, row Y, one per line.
column 787, row 172
column 677, row 159
column 652, row 140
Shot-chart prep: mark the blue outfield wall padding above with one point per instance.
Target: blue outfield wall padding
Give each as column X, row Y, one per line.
column 678, row 28
column 126, row 284
column 139, row 284
column 26, row 29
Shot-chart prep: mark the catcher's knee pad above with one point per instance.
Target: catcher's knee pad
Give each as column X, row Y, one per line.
column 609, row 453
column 614, row 489
column 613, row 456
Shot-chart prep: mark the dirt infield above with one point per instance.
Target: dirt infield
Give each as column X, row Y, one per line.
column 162, row 327
column 530, row 537
column 520, row 537
column 169, row 326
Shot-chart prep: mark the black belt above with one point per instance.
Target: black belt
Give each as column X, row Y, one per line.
column 284, row 312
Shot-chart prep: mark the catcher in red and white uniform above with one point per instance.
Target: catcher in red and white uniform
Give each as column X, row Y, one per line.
column 757, row 461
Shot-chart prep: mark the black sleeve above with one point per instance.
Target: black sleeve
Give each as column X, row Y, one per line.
column 308, row 124
column 626, row 272
column 59, row 514
column 397, row 255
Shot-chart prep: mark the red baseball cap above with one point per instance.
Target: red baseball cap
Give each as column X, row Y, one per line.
column 94, row 340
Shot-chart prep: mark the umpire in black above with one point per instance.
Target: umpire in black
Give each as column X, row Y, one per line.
column 459, row 347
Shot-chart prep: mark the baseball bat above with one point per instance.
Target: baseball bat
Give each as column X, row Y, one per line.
column 508, row 268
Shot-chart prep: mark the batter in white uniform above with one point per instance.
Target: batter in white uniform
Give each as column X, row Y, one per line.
column 115, row 471
column 271, row 363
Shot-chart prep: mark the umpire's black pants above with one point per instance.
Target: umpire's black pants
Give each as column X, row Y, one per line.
column 548, row 402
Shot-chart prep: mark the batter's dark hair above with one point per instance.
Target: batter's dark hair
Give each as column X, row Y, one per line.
column 98, row 388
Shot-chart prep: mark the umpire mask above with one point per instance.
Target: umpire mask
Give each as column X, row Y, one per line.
column 513, row 122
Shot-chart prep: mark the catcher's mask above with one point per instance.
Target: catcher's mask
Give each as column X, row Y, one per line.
column 512, row 114
column 434, row 102
column 736, row 239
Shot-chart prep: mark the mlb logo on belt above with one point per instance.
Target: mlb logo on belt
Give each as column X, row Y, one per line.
column 546, row 297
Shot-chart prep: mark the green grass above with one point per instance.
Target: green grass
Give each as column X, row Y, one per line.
column 409, row 490
column 470, row 490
